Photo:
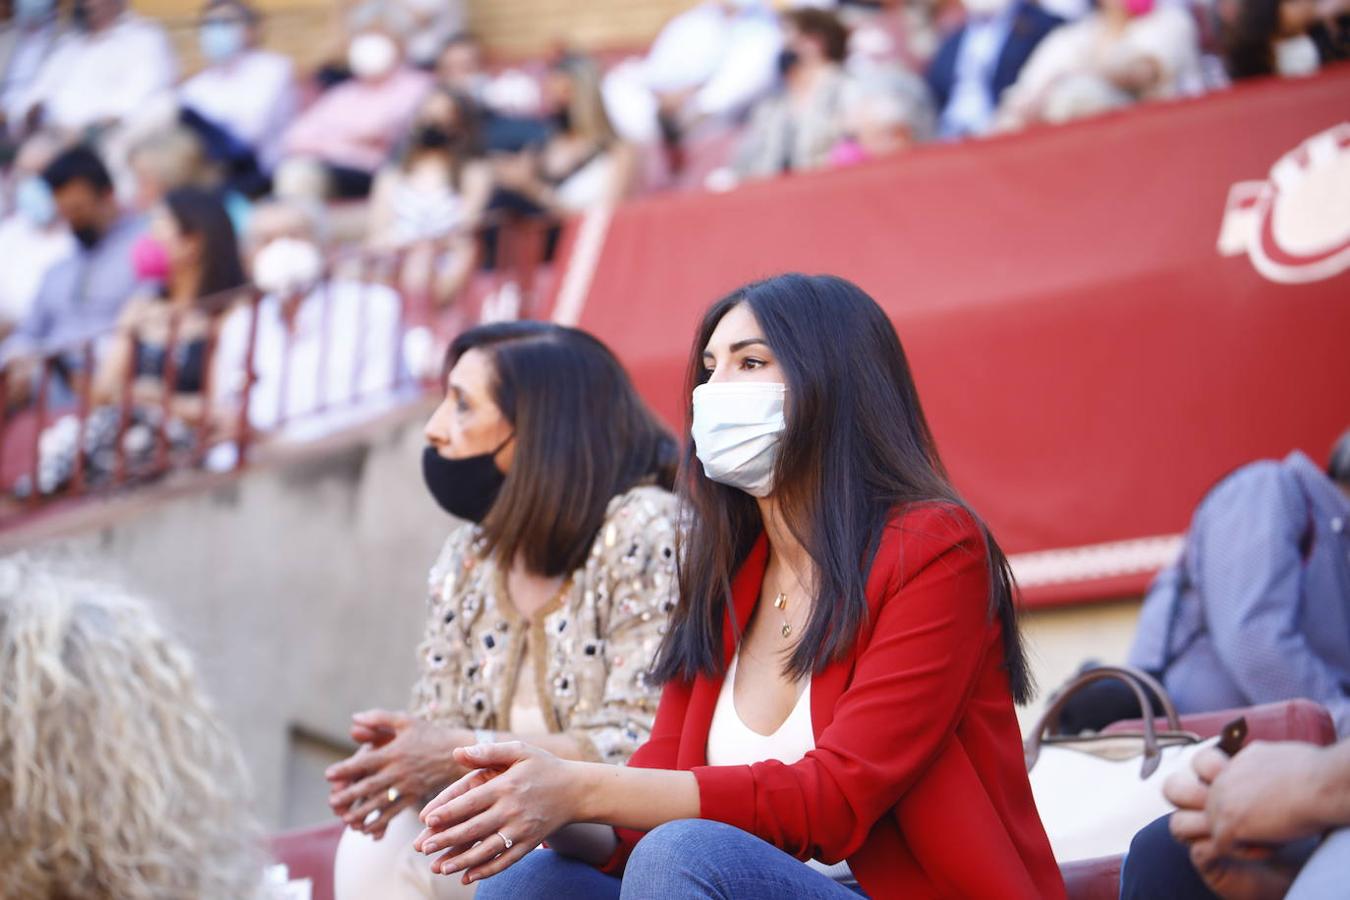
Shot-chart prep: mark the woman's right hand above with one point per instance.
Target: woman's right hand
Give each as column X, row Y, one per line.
column 402, row 760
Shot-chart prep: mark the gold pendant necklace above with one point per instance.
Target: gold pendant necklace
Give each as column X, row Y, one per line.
column 780, row 603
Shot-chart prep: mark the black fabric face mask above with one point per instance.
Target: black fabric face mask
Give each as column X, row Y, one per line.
column 432, row 137
column 88, row 236
column 465, row 488
column 787, row 60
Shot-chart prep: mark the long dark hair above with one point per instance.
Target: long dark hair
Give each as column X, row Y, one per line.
column 200, row 213
column 1249, row 45
column 856, row 448
column 583, row 436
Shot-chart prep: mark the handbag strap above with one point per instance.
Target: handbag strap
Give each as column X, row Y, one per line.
column 1136, row 680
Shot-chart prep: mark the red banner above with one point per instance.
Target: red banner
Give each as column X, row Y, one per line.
column 1103, row 318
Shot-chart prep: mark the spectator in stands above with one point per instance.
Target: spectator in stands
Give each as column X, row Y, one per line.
column 423, row 26
column 165, row 159
column 548, row 600
column 30, row 33
column 33, row 237
column 795, row 128
column 335, row 147
column 508, row 104
column 245, row 90
column 1272, row 823
column 82, row 295
column 812, row 708
column 877, row 123
column 981, row 60
column 431, row 200
column 107, row 71
column 1125, row 52
column 325, row 351
column 117, row 777
column 1273, row 37
column 1254, row 611
column 710, row 62
column 584, row 164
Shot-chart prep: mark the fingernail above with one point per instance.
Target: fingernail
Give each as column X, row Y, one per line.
column 433, row 822
column 449, row 869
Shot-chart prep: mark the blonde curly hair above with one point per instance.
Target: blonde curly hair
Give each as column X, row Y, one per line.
column 117, row 780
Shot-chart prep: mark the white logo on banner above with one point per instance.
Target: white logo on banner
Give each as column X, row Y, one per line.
column 1295, row 225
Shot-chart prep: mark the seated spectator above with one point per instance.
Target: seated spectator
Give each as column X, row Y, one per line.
column 335, row 147
column 981, row 60
column 876, row 123
column 1272, row 823
column 117, row 777
column 507, row 105
column 26, row 40
column 165, row 159
column 1255, row 609
column 1272, row 37
column 103, row 73
column 584, row 164
column 424, row 26
column 33, row 237
column 82, row 295
column 795, row 128
column 710, row 62
column 324, row 352
column 1125, row 52
column 247, row 91
column 432, row 199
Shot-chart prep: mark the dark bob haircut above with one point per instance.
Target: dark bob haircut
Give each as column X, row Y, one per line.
column 856, row 450
column 583, row 436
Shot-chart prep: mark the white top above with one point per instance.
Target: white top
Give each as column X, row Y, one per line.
column 28, row 252
column 296, row 377
column 252, row 96
column 733, row 743
column 108, row 75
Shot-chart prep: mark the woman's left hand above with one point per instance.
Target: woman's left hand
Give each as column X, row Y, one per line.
column 515, row 792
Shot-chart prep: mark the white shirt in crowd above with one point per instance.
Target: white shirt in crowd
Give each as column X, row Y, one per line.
column 730, row 59
column 252, row 96
column 333, row 366
column 28, row 252
column 92, row 77
column 1167, row 35
column 23, row 50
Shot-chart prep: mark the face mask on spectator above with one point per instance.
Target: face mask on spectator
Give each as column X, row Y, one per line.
column 33, row 199
column 1139, row 7
column 1297, row 56
column 787, row 59
column 432, row 137
column 150, row 259
column 986, row 7
column 372, row 56
column 221, row 41
column 87, row 235
column 29, row 12
column 287, row 266
column 737, row 429
column 465, row 488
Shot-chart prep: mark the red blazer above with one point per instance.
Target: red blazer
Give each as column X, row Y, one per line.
column 917, row 778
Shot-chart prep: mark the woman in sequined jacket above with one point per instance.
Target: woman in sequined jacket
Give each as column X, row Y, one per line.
column 548, row 601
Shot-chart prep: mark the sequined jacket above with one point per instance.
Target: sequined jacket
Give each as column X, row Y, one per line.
column 588, row 649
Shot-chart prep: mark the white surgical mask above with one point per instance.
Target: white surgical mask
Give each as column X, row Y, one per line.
column 30, row 12
column 737, row 429
column 372, row 55
column 1297, row 56
column 221, row 41
column 287, row 266
column 33, row 199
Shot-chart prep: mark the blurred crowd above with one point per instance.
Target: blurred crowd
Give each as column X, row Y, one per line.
column 136, row 201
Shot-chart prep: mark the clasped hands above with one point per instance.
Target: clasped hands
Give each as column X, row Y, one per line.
column 1235, row 813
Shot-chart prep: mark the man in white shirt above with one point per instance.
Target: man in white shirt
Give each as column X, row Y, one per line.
column 248, row 92
column 33, row 236
column 326, row 352
column 712, row 61
column 25, row 44
column 97, row 77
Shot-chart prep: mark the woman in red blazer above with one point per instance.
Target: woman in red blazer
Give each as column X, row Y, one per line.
column 840, row 675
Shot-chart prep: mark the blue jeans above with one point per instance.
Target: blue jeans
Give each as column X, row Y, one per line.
column 685, row 858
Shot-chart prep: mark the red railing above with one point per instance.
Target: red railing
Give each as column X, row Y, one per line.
column 78, row 433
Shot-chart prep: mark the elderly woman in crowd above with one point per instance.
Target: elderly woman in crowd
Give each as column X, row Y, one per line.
column 548, row 601
column 116, row 777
